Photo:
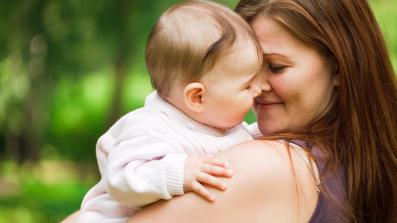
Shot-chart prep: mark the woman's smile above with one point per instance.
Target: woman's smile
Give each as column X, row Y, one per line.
column 264, row 103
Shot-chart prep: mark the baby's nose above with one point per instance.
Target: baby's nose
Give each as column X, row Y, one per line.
column 256, row 90
column 261, row 84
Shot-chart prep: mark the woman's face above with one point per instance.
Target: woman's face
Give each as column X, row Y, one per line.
column 298, row 82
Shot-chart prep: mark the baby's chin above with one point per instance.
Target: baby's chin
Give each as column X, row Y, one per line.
column 227, row 127
column 227, row 124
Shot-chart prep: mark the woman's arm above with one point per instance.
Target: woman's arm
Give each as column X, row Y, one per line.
column 270, row 184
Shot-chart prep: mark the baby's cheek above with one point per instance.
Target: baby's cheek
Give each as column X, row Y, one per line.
column 244, row 103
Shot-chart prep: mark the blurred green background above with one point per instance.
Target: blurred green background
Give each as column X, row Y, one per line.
column 68, row 70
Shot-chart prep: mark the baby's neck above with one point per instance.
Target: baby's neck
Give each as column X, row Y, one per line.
column 177, row 101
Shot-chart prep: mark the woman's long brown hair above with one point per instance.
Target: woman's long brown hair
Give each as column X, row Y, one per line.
column 359, row 130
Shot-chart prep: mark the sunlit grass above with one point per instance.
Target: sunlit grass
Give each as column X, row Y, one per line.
column 44, row 192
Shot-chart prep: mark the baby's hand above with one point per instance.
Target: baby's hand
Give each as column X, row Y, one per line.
column 201, row 170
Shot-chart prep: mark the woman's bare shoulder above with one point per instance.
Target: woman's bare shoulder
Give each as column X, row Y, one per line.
column 270, row 164
column 265, row 185
column 260, row 153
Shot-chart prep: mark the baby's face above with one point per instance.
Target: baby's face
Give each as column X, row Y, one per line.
column 231, row 87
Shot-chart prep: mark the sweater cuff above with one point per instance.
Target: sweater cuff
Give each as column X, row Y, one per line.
column 175, row 172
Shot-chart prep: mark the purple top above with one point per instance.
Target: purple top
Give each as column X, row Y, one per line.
column 326, row 211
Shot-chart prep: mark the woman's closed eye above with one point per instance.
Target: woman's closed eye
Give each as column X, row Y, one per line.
column 276, row 68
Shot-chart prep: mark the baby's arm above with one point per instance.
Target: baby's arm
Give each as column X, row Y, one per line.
column 143, row 163
column 142, row 168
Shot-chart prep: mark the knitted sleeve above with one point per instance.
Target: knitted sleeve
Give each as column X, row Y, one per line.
column 143, row 166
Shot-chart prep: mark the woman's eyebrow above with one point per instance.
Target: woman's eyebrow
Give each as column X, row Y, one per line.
column 278, row 55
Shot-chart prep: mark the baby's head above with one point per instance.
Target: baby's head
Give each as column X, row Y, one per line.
column 203, row 58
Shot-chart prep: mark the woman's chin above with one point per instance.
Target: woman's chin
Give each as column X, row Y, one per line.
column 267, row 130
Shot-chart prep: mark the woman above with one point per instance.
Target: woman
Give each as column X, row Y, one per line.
column 329, row 88
column 329, row 82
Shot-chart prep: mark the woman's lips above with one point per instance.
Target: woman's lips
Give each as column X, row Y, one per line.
column 263, row 102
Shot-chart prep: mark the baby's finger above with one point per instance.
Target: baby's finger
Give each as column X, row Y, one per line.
column 216, row 170
column 212, row 181
column 218, row 162
column 202, row 191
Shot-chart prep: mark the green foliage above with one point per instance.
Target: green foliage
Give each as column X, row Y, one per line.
column 45, row 192
column 385, row 12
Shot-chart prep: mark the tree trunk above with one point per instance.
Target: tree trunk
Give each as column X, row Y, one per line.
column 121, row 63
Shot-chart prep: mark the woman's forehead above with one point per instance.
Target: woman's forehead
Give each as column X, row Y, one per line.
column 275, row 38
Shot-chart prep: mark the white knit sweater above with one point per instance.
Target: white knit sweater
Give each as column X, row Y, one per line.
column 141, row 158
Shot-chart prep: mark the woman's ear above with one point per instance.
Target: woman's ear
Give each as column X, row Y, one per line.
column 193, row 96
column 336, row 78
column 335, row 73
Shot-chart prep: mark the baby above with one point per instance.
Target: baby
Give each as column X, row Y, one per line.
column 203, row 60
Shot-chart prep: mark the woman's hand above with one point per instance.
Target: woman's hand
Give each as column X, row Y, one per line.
column 206, row 170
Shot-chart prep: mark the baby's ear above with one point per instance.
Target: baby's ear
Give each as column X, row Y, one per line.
column 193, row 96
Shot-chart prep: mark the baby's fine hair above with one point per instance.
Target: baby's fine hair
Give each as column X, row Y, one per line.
column 189, row 38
